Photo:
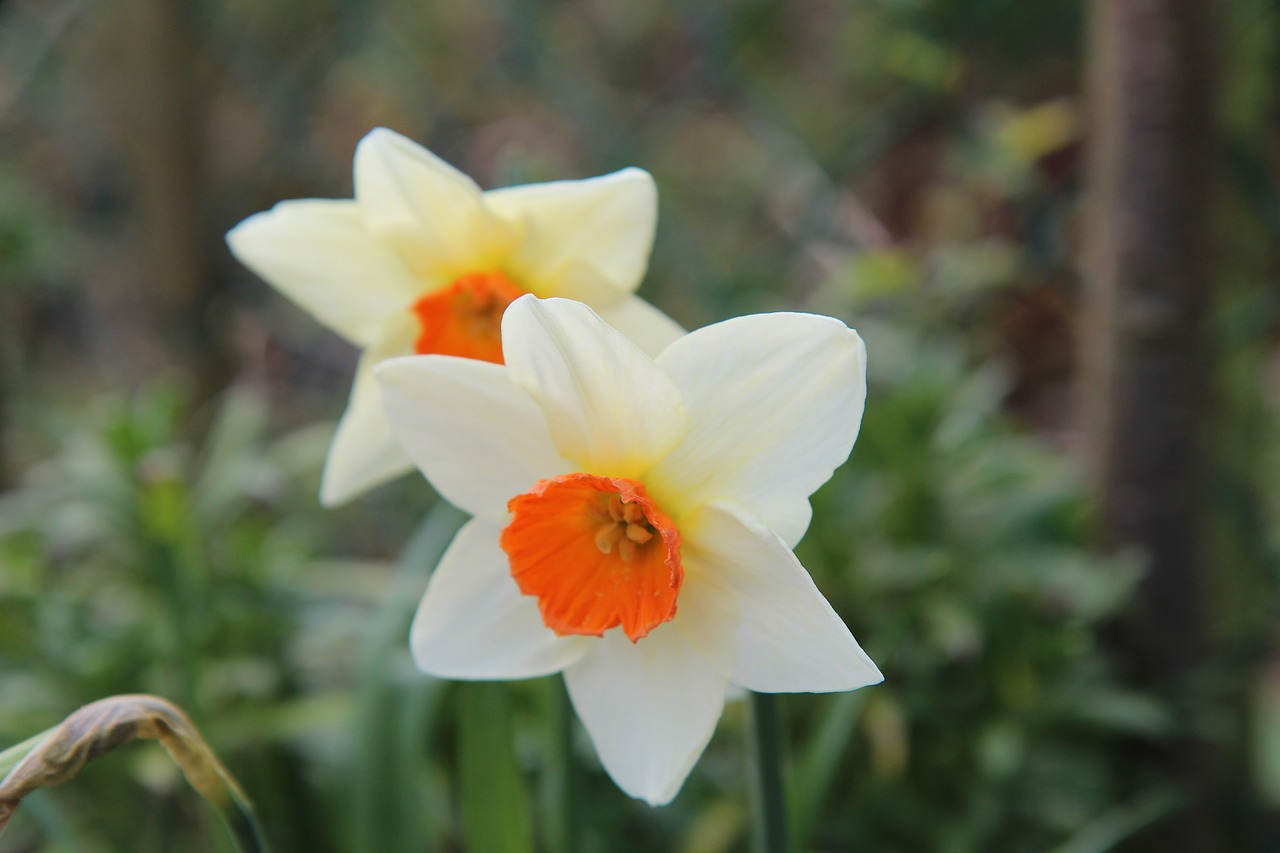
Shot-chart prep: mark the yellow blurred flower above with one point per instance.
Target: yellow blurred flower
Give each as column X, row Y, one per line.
column 422, row 260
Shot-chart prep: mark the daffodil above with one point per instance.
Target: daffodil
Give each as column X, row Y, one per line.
column 423, row 261
column 634, row 519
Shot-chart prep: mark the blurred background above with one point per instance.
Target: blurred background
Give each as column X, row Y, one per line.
column 1057, row 534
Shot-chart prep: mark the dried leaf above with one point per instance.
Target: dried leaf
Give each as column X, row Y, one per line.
column 108, row 723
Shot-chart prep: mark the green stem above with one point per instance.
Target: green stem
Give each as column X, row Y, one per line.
column 556, row 785
column 766, row 759
column 495, row 809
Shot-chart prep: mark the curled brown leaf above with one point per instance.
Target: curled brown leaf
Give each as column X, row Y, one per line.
column 108, row 723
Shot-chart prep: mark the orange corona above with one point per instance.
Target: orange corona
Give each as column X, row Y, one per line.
column 465, row 318
column 597, row 552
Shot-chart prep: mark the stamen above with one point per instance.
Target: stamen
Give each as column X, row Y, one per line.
column 626, row 528
column 639, row 534
column 608, row 536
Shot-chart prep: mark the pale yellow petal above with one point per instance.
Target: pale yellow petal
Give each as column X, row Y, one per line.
column 432, row 214
column 605, row 224
column 320, row 254
column 364, row 454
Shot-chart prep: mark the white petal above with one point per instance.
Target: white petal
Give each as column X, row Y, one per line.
column 650, row 708
column 604, row 223
column 787, row 637
column 432, row 213
column 477, row 436
column 473, row 622
column 774, row 403
column 609, row 408
column 320, row 255
column 364, row 453
column 644, row 325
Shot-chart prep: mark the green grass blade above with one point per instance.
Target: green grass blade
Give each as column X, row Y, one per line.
column 1114, row 826
column 391, row 807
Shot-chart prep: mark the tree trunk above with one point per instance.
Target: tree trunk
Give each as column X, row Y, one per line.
column 1147, row 295
column 160, row 108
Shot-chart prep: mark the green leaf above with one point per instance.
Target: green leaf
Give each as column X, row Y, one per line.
column 816, row 769
column 392, row 804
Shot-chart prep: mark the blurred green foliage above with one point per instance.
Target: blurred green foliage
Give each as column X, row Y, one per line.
column 135, row 563
column 952, row 544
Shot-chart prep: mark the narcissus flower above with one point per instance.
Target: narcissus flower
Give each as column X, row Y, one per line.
column 634, row 519
column 421, row 260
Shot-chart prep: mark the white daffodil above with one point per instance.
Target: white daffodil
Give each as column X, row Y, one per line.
column 421, row 260
column 634, row 519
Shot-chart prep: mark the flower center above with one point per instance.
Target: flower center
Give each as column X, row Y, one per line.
column 465, row 318
column 597, row 552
